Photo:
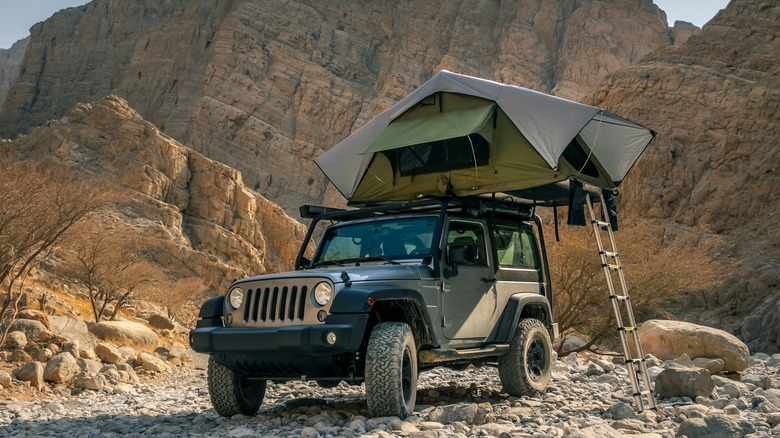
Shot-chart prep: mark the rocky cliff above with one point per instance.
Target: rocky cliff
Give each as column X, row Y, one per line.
column 713, row 170
column 193, row 217
column 10, row 66
column 265, row 91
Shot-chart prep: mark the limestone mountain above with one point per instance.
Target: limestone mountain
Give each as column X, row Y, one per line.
column 713, row 170
column 10, row 66
column 266, row 86
column 191, row 220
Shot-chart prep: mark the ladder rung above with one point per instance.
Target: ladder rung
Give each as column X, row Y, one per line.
column 634, row 360
column 619, row 297
column 609, row 254
column 611, row 266
column 626, row 329
column 602, row 224
column 642, row 393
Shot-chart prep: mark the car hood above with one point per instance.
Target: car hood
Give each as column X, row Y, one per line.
column 362, row 273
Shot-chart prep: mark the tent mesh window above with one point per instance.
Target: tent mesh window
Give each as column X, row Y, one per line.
column 440, row 156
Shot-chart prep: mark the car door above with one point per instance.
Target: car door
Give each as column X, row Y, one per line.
column 469, row 306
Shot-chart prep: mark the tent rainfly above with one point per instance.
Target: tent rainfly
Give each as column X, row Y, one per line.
column 460, row 135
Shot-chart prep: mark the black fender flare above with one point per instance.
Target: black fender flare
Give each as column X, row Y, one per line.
column 378, row 299
column 210, row 314
column 523, row 305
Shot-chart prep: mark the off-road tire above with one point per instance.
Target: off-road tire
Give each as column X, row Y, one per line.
column 232, row 393
column 391, row 370
column 527, row 368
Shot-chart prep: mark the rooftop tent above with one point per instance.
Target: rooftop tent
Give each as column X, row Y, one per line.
column 462, row 135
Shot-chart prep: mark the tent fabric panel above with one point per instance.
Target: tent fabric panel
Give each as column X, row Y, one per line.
column 616, row 146
column 549, row 123
column 439, row 126
column 344, row 164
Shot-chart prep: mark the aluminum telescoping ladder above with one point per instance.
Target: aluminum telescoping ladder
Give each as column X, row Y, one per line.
column 621, row 306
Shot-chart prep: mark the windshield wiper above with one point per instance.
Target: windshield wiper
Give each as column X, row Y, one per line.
column 328, row 263
column 380, row 257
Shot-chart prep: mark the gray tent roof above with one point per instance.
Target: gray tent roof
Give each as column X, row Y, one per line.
column 548, row 123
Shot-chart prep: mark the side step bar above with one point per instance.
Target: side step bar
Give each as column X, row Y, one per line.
column 438, row 356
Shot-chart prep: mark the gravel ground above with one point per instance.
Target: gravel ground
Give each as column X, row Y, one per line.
column 585, row 399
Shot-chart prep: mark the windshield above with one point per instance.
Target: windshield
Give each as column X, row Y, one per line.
column 387, row 239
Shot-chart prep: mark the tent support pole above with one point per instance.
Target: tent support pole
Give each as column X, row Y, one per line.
column 555, row 216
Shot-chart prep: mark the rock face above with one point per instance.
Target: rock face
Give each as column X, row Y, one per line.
column 10, row 66
column 713, row 168
column 192, row 216
column 265, row 92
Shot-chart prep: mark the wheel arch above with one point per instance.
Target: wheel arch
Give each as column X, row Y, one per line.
column 402, row 309
column 523, row 305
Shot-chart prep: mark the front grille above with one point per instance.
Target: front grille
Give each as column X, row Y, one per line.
column 275, row 304
column 278, row 302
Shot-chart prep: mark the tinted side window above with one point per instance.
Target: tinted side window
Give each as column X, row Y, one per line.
column 515, row 247
column 470, row 234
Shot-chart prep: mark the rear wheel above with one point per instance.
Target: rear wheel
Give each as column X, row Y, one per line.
column 391, row 371
column 527, row 368
column 234, row 393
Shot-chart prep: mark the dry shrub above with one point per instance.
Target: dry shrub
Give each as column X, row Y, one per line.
column 39, row 205
column 657, row 275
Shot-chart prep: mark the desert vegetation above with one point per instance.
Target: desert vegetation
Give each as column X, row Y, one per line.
column 658, row 274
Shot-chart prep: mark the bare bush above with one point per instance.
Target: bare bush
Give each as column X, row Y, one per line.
column 40, row 205
column 657, row 275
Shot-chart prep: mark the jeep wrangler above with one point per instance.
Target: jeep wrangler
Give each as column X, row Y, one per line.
column 390, row 291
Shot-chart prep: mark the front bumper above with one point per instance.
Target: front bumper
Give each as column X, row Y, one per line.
column 287, row 352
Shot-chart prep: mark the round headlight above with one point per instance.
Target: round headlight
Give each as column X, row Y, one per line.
column 323, row 292
column 235, row 297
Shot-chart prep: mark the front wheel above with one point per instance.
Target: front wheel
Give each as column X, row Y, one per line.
column 527, row 368
column 391, row 371
column 233, row 393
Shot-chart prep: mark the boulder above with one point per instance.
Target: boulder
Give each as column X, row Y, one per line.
column 161, row 322
column 35, row 315
column 108, row 353
column 152, row 363
column 111, row 373
column 714, row 426
column 72, row 348
column 684, row 382
column 89, row 366
column 96, row 382
column 39, row 353
column 714, row 366
column 30, row 372
column 86, row 353
column 127, row 373
column 15, row 340
column 467, row 412
column 73, row 329
column 668, row 339
column 19, row 356
column 5, row 379
column 62, row 368
column 49, row 337
column 31, row 328
column 125, row 333
column 178, row 351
